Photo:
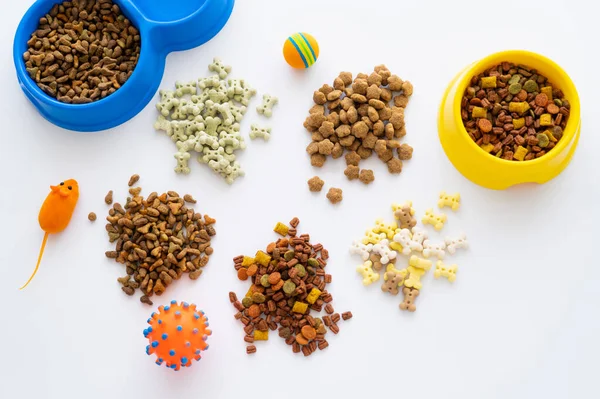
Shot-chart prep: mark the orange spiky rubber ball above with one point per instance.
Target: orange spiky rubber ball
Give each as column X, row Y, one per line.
column 177, row 334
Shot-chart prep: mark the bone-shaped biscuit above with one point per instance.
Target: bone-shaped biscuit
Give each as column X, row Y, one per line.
column 382, row 227
column 442, row 270
column 414, row 277
column 366, row 270
column 405, row 215
column 183, row 88
column 419, row 263
column 451, row 201
column 391, row 268
column 405, row 239
column 372, row 238
column 410, row 294
column 260, row 132
column 358, row 248
column 452, row 244
column 382, row 248
column 436, row 220
column 235, row 87
column 392, row 282
column 433, row 249
column 220, row 68
column 266, row 108
column 167, row 102
column 182, row 162
column 207, row 83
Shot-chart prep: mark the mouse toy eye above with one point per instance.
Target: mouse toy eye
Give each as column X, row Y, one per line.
column 70, row 188
column 62, row 183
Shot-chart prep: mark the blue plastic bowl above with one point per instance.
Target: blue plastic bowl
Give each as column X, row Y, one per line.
column 164, row 25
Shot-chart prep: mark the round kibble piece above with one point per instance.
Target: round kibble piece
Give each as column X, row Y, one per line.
column 543, row 140
column 301, row 339
column 289, row 287
column 242, row 274
column 309, row 332
column 254, row 311
column 252, row 269
column 484, row 125
column 274, row 278
column 552, row 109
column 541, row 100
column 92, row 217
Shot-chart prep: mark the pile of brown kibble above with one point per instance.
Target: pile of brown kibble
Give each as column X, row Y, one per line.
column 356, row 117
column 288, row 281
column 158, row 239
column 514, row 113
column 82, row 51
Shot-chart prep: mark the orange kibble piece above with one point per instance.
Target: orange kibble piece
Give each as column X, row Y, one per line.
column 309, row 332
column 274, row 278
column 277, row 286
column 270, row 248
column 252, row 269
column 301, row 340
column 522, row 95
column 254, row 311
column 243, row 274
column 484, row 125
column 541, row 100
column 552, row 108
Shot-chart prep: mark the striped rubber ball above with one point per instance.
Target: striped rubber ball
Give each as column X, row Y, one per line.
column 301, row 50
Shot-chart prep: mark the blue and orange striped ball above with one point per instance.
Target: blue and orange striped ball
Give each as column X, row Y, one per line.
column 301, row 50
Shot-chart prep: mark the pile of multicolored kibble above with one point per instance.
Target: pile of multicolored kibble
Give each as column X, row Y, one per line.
column 208, row 122
column 288, row 281
column 381, row 245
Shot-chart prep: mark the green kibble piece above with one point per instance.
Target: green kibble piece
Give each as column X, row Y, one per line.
column 566, row 104
column 264, row 281
column 557, row 132
column 301, row 270
column 558, row 102
column 531, row 86
column 543, row 140
column 508, row 98
column 514, row 88
column 247, row 302
column 289, row 255
column 257, row 297
column 289, row 287
column 313, row 262
column 514, row 79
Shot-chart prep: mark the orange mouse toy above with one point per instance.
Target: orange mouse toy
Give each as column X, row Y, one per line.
column 56, row 213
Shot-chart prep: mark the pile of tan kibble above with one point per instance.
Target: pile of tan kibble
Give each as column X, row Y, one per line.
column 158, row 239
column 357, row 117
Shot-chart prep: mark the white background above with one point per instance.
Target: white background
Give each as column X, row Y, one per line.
column 521, row 321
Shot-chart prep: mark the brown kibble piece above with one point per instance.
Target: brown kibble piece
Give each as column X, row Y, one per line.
column 352, row 172
column 188, row 198
column 109, row 198
column 346, row 77
column 337, row 151
column 250, row 349
column 346, row 316
column 133, row 179
column 335, row 195
column 352, row 158
column 360, row 129
column 366, row 176
column 407, row 88
column 405, row 152
column 92, row 217
column 315, row 184
column 325, row 147
column 394, row 165
column 401, row 101
column 317, row 160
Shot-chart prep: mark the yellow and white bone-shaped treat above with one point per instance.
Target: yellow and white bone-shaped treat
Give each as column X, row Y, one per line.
column 452, row 244
column 382, row 248
column 416, row 269
column 358, row 248
column 442, row 270
column 451, row 201
column 382, row 227
column 437, row 221
column 396, row 206
column 372, row 237
column 366, row 270
column 406, row 241
column 419, row 263
column 434, row 249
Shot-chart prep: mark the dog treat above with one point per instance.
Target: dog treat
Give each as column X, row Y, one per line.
column 366, row 270
column 452, row 244
column 92, row 217
column 334, row 195
column 260, row 132
column 109, row 198
column 451, row 201
column 437, row 221
column 386, row 255
column 358, row 248
column 158, row 239
column 82, row 51
column 405, row 215
column 393, row 280
column 266, row 108
column 204, row 116
column 442, row 270
column 366, row 176
column 434, row 249
column 288, row 282
column 410, row 294
column 513, row 112
column 382, row 227
column 360, row 117
column 315, row 184
column 372, row 238
column 133, row 179
column 410, row 241
column 419, row 263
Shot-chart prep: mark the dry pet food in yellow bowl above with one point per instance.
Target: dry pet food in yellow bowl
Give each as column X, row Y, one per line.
column 511, row 118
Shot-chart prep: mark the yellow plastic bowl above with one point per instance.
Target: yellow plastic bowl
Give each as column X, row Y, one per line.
column 485, row 169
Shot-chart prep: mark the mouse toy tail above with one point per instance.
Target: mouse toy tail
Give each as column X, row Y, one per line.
column 38, row 262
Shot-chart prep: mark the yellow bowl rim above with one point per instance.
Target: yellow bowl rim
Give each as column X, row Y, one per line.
column 570, row 128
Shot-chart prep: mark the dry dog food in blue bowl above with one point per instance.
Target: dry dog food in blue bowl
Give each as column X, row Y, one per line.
column 89, row 65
